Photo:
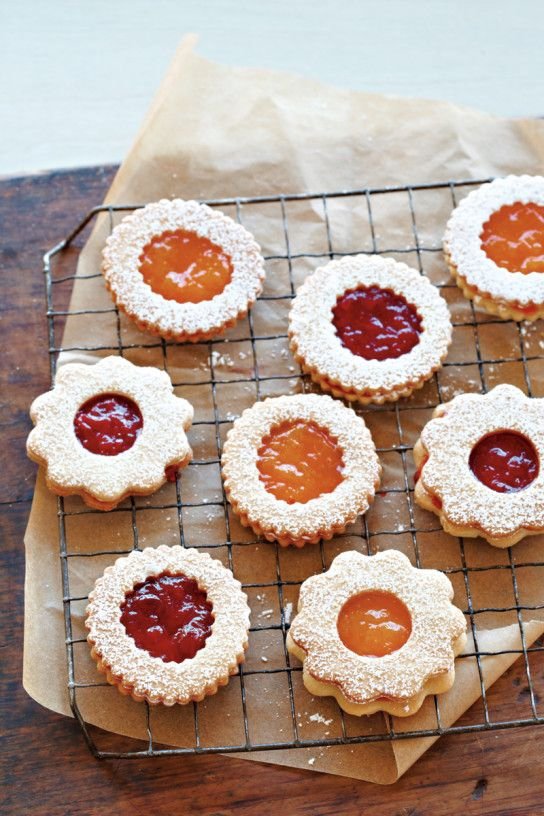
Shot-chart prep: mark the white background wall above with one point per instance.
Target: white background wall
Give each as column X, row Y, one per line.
column 77, row 77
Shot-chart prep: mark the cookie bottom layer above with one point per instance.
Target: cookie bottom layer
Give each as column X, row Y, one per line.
column 508, row 310
column 397, row 707
column 425, row 500
column 127, row 690
column 364, row 397
column 180, row 337
column 287, row 539
column 98, row 503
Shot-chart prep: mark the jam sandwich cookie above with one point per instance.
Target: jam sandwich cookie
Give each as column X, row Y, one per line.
column 182, row 270
column 494, row 245
column 108, row 431
column 299, row 468
column 167, row 625
column 479, row 466
column 377, row 634
column 368, row 328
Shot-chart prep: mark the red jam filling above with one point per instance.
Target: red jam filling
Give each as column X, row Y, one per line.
column 108, row 424
column 171, row 472
column 417, row 474
column 168, row 616
column 299, row 461
column 376, row 323
column 514, row 237
column 374, row 623
column 185, row 267
column 505, row 461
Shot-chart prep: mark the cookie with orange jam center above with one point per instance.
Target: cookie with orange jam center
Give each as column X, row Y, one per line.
column 494, row 247
column 377, row 633
column 185, row 267
column 182, row 270
column 374, row 623
column 299, row 461
column 299, row 468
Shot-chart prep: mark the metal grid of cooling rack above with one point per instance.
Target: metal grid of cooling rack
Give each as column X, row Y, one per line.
column 293, row 737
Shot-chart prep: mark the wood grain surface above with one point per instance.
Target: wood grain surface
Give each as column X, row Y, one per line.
column 47, row 769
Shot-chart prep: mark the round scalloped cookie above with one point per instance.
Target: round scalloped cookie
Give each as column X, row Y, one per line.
column 166, row 291
column 497, row 283
column 328, row 334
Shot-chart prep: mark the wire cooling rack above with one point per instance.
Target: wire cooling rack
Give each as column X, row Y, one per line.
column 474, row 571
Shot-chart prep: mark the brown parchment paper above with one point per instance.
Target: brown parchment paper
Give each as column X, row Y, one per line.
column 220, row 132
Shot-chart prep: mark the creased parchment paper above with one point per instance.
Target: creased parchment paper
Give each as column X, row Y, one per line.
column 220, row 132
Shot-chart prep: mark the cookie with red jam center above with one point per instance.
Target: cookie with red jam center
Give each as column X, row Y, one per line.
column 108, row 431
column 167, row 625
column 480, row 465
column 168, row 616
column 108, row 424
column 368, row 328
column 376, row 323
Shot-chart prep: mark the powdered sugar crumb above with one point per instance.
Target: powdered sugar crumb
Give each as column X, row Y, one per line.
column 320, row 719
column 287, row 612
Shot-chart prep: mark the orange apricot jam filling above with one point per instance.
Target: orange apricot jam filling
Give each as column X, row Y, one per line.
column 299, row 461
column 185, row 267
column 374, row 623
column 513, row 238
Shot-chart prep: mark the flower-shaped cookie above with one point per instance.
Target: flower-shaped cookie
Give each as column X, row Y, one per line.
column 494, row 245
column 168, row 625
column 109, row 430
column 377, row 634
column 182, row 270
column 479, row 465
column 368, row 328
column 299, row 468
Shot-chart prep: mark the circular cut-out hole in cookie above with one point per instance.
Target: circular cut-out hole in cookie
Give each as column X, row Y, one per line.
column 374, row 623
column 513, row 237
column 505, row 461
column 299, row 461
column 376, row 323
column 185, row 267
column 108, row 424
column 168, row 616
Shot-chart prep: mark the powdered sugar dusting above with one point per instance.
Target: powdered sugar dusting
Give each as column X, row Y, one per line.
column 447, row 441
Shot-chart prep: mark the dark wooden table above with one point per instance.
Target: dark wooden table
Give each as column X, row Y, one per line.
column 48, row 768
